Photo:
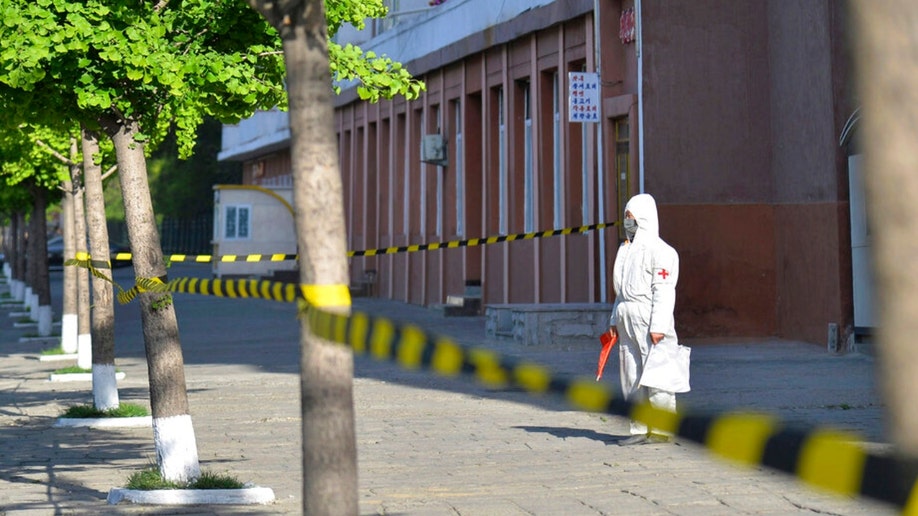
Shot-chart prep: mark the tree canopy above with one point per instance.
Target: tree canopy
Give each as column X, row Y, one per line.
column 166, row 64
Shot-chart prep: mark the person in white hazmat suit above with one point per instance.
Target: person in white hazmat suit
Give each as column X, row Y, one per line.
column 653, row 364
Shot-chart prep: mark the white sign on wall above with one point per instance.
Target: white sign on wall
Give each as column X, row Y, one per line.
column 583, row 97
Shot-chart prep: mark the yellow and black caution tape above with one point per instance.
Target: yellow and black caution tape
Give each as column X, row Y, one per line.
column 141, row 285
column 822, row 457
column 85, row 261
column 208, row 258
column 470, row 242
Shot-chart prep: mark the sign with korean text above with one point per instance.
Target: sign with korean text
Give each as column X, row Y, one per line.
column 583, row 100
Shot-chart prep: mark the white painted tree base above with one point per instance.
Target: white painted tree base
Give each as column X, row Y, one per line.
column 104, row 422
column 56, row 358
column 45, row 324
column 247, row 496
column 84, row 351
column 69, row 332
column 78, row 377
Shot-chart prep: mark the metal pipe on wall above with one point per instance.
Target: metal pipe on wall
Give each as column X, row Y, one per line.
column 600, row 174
column 639, row 47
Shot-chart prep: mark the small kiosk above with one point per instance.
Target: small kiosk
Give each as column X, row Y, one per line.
column 250, row 219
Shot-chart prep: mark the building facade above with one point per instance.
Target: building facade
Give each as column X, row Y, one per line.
column 728, row 112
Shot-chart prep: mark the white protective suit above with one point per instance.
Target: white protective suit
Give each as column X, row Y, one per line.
column 644, row 277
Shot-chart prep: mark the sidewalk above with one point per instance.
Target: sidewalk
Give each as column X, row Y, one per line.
column 426, row 445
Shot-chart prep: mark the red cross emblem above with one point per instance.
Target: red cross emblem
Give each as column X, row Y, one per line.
column 663, row 273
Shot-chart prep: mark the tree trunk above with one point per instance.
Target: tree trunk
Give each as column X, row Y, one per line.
column 84, row 330
column 173, row 433
column 887, row 62
column 18, row 258
column 104, row 384
column 38, row 261
column 69, row 316
column 6, row 238
column 326, row 369
column 31, row 297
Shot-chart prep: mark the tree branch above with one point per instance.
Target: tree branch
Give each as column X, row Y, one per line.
column 58, row 155
column 109, row 172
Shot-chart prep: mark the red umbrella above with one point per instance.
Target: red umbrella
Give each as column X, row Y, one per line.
column 607, row 340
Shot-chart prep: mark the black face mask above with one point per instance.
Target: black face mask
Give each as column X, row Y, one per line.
column 630, row 228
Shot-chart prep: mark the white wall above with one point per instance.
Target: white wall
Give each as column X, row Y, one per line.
column 271, row 231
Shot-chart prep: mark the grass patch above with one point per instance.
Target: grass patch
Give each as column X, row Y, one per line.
column 23, row 320
column 91, row 412
column 150, row 479
column 76, row 370
column 72, row 370
column 6, row 295
column 53, row 351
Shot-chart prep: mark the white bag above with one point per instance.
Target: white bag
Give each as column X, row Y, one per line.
column 667, row 367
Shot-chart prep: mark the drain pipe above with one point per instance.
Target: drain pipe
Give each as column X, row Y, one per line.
column 600, row 173
column 639, row 47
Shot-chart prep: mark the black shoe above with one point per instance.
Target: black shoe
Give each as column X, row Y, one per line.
column 634, row 439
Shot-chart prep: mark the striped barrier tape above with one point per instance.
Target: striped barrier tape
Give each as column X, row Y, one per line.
column 141, row 285
column 83, row 259
column 207, row 258
column 821, row 457
column 124, row 296
column 471, row 242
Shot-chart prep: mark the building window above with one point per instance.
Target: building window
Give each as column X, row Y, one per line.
column 622, row 163
column 405, row 135
column 438, row 222
column 236, row 222
column 501, row 163
column 460, row 173
column 528, row 173
column 556, row 147
column 422, row 195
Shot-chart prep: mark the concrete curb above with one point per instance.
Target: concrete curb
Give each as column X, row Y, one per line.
column 78, row 377
column 32, row 323
column 49, row 338
column 103, row 422
column 248, row 496
column 56, row 358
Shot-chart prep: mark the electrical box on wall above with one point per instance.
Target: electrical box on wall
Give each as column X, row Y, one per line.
column 433, row 150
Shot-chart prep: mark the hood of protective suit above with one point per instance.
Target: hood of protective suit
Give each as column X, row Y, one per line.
column 644, row 209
